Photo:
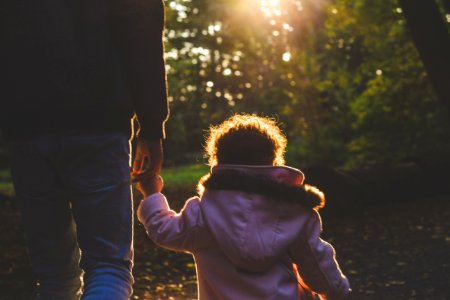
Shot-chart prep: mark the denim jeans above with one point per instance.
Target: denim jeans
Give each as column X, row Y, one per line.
column 75, row 200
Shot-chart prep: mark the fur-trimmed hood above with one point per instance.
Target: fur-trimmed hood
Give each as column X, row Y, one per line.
column 256, row 212
column 278, row 183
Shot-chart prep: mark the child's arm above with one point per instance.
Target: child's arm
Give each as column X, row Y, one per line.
column 185, row 231
column 317, row 264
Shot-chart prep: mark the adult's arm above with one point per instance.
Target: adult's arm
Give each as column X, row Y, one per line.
column 317, row 263
column 138, row 32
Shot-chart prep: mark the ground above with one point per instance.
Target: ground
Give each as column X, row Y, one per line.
column 388, row 251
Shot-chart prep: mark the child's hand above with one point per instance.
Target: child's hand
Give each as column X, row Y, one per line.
column 151, row 185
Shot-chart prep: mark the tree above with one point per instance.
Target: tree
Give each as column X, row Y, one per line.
column 431, row 37
column 394, row 110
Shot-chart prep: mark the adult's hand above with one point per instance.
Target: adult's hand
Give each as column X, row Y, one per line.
column 148, row 159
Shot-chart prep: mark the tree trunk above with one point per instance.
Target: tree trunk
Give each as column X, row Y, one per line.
column 431, row 38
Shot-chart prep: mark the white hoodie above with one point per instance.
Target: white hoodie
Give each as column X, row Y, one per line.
column 246, row 235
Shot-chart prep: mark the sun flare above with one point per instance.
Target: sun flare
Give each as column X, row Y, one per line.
column 276, row 8
column 270, row 8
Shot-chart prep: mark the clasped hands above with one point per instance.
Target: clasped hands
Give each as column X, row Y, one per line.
column 147, row 167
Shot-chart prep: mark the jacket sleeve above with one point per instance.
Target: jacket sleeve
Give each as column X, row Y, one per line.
column 316, row 262
column 138, row 32
column 185, row 231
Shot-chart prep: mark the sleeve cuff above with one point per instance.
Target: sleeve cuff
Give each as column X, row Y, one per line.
column 150, row 205
column 152, row 132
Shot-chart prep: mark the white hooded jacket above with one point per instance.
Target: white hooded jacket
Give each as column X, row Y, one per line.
column 246, row 232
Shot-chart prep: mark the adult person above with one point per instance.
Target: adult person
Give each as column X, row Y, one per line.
column 73, row 74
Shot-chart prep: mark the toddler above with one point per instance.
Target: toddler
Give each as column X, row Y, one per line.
column 254, row 230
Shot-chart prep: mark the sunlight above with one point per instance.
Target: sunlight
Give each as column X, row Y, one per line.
column 276, row 8
column 214, row 28
column 278, row 13
column 227, row 72
column 270, row 8
column 286, row 56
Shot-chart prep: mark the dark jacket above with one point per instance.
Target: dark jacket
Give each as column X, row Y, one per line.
column 81, row 66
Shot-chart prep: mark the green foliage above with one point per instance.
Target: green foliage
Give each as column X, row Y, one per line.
column 6, row 186
column 342, row 77
column 394, row 111
column 184, row 176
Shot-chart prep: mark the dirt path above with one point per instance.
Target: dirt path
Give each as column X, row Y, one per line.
column 391, row 251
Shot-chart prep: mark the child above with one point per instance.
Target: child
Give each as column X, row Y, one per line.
column 254, row 230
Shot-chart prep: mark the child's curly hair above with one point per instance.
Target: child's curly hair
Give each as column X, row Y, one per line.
column 246, row 140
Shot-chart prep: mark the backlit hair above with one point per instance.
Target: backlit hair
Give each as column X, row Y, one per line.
column 246, row 140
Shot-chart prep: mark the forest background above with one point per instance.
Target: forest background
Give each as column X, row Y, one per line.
column 343, row 78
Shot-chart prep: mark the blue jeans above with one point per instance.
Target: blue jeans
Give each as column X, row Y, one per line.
column 74, row 194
